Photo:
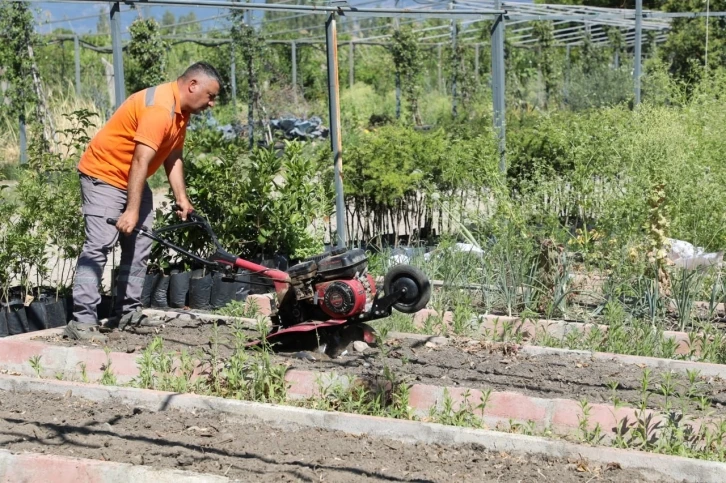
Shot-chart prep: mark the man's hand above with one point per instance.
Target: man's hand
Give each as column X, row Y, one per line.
column 186, row 208
column 127, row 222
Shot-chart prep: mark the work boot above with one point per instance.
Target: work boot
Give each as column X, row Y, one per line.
column 83, row 331
column 130, row 321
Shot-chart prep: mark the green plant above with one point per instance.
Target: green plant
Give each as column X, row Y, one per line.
column 84, row 373
column 407, row 57
column 269, row 207
column 465, row 415
column 386, row 396
column 247, row 309
column 146, row 55
column 591, row 436
column 36, row 366
column 108, row 378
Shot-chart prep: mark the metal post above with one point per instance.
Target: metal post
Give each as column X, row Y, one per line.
column 398, row 94
column 476, row 63
column 497, row 35
column 441, row 79
column 616, row 59
column 351, row 64
column 331, row 37
column 638, row 42
column 294, row 71
column 78, row 64
column 23, row 141
column 567, row 72
column 456, row 61
column 118, row 61
column 233, row 75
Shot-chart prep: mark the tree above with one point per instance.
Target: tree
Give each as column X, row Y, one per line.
column 409, row 63
column 18, row 37
column 103, row 25
column 544, row 33
column 685, row 48
column 147, row 55
column 167, row 21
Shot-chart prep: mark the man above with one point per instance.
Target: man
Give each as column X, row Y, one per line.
column 146, row 131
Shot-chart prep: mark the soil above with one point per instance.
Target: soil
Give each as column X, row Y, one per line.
column 210, row 443
column 478, row 365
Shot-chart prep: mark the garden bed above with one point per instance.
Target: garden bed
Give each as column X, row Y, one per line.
column 213, row 443
column 463, row 362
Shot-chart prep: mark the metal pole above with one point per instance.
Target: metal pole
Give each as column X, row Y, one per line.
column 638, row 42
column 78, row 64
column 497, row 35
column 233, row 76
column 398, row 94
column 23, row 141
column 331, row 37
column 476, row 63
column 294, row 71
column 118, row 61
column 441, row 79
column 456, row 65
column 351, row 64
column 567, row 72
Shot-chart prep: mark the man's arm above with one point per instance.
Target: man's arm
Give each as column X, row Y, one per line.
column 143, row 155
column 174, row 166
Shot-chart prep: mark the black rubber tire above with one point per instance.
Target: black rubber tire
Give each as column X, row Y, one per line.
column 415, row 281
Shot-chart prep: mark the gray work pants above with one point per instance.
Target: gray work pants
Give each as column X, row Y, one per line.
column 102, row 201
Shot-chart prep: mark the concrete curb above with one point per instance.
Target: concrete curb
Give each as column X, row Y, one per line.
column 42, row 468
column 653, row 466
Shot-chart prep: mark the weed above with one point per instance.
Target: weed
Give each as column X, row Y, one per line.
column 465, row 415
column 385, row 397
column 583, row 425
column 35, row 364
column 84, row 373
column 248, row 309
column 107, row 377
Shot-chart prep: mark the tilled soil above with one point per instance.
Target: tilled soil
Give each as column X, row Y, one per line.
column 210, row 443
column 472, row 364
column 192, row 336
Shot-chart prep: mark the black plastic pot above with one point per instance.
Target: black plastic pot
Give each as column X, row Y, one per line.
column 146, row 291
column 103, row 310
column 68, row 306
column 179, row 289
column 200, row 290
column 46, row 314
column 16, row 318
column 160, row 292
column 225, row 291
column 3, row 324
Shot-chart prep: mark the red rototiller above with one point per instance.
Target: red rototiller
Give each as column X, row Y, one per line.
column 329, row 296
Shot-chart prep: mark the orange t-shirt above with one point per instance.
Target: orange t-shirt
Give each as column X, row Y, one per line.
column 152, row 117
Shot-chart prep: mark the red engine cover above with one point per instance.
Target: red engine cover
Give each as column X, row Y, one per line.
column 344, row 298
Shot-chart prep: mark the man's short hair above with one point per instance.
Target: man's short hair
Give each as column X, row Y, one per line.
column 202, row 68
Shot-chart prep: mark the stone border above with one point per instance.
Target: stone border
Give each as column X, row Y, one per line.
column 44, row 468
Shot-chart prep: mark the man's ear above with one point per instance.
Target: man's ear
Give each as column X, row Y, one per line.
column 193, row 85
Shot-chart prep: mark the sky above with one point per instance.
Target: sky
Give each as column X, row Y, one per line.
column 57, row 12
